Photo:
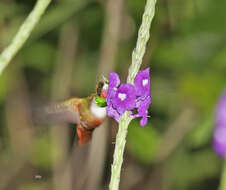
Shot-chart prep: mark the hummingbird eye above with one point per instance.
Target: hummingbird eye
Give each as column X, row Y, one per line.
column 99, row 88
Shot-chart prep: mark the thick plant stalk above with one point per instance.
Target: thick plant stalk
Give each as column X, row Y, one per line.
column 23, row 33
column 137, row 56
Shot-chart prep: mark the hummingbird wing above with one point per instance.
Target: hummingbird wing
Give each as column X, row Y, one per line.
column 64, row 112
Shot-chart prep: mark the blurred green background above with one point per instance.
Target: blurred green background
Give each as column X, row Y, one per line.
column 78, row 41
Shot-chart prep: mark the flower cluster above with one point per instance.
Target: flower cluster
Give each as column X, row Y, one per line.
column 219, row 137
column 135, row 98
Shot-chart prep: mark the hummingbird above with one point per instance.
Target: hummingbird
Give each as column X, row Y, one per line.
column 88, row 113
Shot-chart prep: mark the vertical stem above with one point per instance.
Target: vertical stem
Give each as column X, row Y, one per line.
column 23, row 33
column 223, row 178
column 119, row 150
column 137, row 56
column 142, row 39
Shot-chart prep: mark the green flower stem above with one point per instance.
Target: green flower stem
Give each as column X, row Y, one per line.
column 137, row 56
column 23, row 33
column 119, row 149
column 223, row 178
column 143, row 36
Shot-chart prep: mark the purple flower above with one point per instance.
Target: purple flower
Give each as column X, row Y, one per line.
column 142, row 83
column 219, row 141
column 114, row 82
column 142, row 104
column 124, row 98
column 112, row 112
column 119, row 99
column 127, row 96
column 143, row 100
column 219, row 137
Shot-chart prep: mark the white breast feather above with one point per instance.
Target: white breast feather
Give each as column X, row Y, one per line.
column 98, row 111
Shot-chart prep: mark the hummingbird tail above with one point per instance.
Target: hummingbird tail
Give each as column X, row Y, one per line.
column 84, row 135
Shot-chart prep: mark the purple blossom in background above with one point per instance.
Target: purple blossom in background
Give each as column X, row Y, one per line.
column 219, row 141
column 129, row 97
column 219, row 137
column 221, row 111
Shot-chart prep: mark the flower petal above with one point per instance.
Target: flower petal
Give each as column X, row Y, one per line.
column 114, row 80
column 142, row 83
column 143, row 121
column 142, row 104
column 112, row 112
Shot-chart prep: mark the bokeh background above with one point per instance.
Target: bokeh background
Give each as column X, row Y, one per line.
column 78, row 41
